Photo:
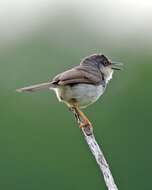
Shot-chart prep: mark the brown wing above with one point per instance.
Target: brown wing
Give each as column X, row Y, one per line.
column 80, row 74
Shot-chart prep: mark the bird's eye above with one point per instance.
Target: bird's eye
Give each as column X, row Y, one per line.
column 105, row 62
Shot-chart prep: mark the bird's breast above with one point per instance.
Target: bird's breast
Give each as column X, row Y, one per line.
column 83, row 94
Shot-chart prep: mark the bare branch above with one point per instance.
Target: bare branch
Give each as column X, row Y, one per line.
column 97, row 152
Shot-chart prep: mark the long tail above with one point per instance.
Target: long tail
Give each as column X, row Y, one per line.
column 36, row 87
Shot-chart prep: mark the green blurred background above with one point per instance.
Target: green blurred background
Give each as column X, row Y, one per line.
column 41, row 146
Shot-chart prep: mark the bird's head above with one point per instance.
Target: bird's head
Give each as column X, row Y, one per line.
column 105, row 65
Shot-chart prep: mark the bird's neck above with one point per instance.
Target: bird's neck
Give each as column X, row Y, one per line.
column 107, row 76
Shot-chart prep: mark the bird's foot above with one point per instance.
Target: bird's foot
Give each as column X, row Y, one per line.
column 85, row 123
column 87, row 127
column 79, row 115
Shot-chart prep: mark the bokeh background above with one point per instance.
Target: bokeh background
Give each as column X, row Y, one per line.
column 41, row 146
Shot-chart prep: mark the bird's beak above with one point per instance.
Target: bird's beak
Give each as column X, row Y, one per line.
column 116, row 65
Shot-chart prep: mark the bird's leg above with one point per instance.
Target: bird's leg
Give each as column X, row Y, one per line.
column 77, row 116
column 84, row 121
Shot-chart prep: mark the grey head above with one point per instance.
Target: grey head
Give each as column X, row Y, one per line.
column 101, row 62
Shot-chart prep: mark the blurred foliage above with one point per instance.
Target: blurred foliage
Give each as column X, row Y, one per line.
column 41, row 145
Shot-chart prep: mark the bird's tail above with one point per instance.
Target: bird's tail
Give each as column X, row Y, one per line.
column 36, row 87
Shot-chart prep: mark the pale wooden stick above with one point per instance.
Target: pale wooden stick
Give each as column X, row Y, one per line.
column 97, row 152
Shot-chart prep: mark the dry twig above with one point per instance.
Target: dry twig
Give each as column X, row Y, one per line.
column 97, row 152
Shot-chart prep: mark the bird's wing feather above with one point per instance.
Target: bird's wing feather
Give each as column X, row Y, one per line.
column 79, row 75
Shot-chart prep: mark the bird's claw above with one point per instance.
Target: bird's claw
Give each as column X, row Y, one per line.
column 85, row 124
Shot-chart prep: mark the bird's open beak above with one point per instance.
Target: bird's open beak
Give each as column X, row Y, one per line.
column 116, row 65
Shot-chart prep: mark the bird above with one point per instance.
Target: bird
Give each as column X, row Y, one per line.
column 82, row 85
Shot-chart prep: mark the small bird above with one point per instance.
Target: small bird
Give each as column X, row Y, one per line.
column 82, row 85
